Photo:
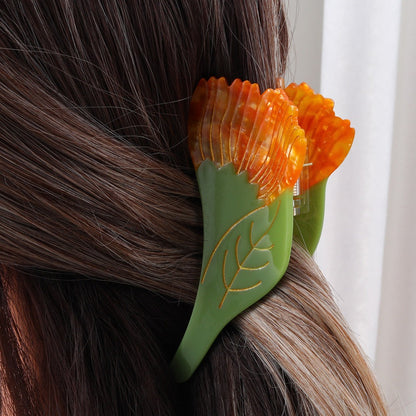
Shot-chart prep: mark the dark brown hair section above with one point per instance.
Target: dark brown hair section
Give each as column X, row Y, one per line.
column 100, row 222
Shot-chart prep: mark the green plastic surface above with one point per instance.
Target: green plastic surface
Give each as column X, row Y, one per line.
column 307, row 226
column 246, row 251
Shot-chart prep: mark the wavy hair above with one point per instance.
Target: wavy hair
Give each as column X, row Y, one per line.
column 100, row 222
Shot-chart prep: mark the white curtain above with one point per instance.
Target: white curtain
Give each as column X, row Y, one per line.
column 362, row 53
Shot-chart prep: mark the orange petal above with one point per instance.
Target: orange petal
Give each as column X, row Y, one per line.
column 258, row 133
column 329, row 137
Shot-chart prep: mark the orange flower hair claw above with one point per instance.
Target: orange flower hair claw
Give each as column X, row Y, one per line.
column 329, row 141
column 248, row 151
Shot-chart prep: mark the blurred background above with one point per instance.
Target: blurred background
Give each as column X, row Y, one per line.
column 362, row 54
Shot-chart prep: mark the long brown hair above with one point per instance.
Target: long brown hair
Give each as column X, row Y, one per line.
column 100, row 229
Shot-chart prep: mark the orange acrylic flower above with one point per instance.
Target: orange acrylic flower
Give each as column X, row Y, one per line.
column 329, row 137
column 258, row 133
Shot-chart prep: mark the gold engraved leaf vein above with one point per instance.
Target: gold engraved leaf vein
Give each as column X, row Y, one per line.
column 222, row 239
column 240, row 265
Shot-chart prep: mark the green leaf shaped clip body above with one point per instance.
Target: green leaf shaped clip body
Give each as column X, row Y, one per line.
column 309, row 216
column 247, row 247
column 248, row 151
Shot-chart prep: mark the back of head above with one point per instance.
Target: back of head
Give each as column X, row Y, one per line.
column 101, row 230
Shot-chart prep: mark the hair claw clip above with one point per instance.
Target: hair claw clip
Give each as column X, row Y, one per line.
column 248, row 151
column 329, row 140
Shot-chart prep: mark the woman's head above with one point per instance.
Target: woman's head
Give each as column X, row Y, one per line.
column 100, row 230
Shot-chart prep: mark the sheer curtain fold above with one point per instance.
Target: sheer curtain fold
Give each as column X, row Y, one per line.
column 364, row 57
column 396, row 346
column 359, row 68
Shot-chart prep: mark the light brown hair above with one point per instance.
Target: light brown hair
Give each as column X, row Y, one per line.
column 100, row 221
